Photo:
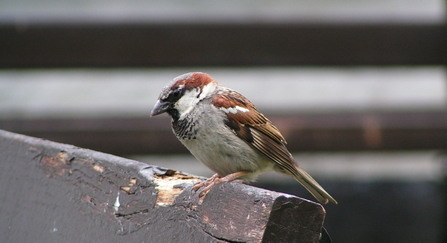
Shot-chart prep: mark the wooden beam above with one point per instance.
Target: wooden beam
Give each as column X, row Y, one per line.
column 54, row 192
column 143, row 45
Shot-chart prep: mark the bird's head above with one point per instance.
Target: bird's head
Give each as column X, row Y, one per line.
column 181, row 95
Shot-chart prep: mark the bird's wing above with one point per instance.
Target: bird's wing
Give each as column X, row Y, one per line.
column 259, row 132
column 254, row 128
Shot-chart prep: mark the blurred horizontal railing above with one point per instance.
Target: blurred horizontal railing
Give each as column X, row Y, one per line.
column 308, row 132
column 220, row 44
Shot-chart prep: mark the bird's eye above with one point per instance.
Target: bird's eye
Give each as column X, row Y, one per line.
column 176, row 94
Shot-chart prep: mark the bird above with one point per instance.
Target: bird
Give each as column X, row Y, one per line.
column 227, row 133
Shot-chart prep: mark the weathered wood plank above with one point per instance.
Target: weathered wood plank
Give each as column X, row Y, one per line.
column 54, row 192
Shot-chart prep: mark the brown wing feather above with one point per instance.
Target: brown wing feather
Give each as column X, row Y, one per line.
column 252, row 118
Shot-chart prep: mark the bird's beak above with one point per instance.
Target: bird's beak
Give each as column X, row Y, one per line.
column 160, row 108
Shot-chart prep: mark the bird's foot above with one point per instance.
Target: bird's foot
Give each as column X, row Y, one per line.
column 216, row 179
column 205, row 183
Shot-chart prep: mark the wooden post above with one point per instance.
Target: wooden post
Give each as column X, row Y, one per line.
column 51, row 192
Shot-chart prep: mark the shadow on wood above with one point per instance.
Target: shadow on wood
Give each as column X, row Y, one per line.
column 54, row 192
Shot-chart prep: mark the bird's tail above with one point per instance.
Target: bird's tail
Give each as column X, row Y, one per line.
column 312, row 186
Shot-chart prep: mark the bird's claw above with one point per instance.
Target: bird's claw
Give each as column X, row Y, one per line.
column 208, row 184
column 216, row 179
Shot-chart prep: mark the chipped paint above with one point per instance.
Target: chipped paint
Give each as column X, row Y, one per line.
column 117, row 204
column 165, row 185
column 55, row 166
column 130, row 187
column 98, row 168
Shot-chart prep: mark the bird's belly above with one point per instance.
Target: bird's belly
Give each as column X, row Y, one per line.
column 224, row 153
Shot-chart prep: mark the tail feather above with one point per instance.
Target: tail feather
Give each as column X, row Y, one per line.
column 312, row 186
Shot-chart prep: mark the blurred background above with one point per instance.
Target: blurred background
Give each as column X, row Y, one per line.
column 358, row 88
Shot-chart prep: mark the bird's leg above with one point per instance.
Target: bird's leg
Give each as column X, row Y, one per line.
column 216, row 179
column 206, row 182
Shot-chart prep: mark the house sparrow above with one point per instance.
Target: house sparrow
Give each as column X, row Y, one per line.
column 226, row 132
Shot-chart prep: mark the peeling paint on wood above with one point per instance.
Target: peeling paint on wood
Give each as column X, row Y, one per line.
column 169, row 186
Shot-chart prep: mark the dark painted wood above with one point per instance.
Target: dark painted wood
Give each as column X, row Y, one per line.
column 144, row 45
column 53, row 192
column 306, row 132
